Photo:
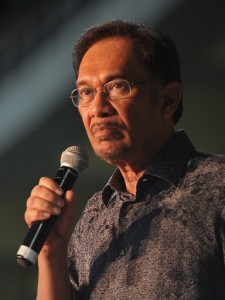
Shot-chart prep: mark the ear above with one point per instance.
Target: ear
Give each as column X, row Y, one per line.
column 172, row 97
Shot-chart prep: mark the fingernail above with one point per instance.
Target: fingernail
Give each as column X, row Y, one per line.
column 56, row 209
column 61, row 203
column 46, row 214
column 59, row 192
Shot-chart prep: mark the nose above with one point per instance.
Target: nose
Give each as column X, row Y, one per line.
column 101, row 106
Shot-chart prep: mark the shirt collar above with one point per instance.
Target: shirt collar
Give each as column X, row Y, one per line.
column 169, row 164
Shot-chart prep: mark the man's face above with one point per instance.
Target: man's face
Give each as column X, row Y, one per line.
column 125, row 129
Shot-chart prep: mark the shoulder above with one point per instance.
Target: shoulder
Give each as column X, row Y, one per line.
column 207, row 163
column 205, row 177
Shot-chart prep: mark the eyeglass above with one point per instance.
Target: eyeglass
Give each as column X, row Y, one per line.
column 114, row 90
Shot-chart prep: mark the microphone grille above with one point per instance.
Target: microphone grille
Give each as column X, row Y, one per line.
column 76, row 158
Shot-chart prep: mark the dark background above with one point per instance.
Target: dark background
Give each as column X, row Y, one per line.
column 37, row 121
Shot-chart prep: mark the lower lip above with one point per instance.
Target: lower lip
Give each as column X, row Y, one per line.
column 103, row 132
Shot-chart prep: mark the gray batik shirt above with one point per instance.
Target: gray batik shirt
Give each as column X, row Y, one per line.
column 167, row 242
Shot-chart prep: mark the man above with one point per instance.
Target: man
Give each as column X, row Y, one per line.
column 156, row 230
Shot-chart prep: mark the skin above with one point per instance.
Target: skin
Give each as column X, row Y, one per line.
column 126, row 132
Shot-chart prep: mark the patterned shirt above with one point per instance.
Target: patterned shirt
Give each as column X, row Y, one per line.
column 166, row 242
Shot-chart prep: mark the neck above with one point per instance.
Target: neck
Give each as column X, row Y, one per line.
column 131, row 178
column 133, row 168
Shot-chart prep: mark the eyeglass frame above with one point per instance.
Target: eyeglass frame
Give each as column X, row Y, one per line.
column 130, row 85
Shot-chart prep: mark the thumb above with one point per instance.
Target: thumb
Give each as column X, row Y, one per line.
column 65, row 221
column 70, row 205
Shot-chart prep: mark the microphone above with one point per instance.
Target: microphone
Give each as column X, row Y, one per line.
column 73, row 161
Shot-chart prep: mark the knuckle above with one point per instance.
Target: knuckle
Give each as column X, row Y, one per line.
column 47, row 182
column 43, row 179
column 33, row 191
column 28, row 218
column 29, row 202
column 44, row 193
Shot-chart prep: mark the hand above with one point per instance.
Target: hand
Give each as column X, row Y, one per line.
column 46, row 200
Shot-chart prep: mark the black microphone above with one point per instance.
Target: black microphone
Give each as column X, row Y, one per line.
column 73, row 161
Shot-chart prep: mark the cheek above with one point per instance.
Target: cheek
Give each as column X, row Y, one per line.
column 86, row 121
column 141, row 117
column 131, row 114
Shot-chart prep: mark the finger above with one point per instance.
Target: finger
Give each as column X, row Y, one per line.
column 41, row 204
column 70, row 204
column 40, row 209
column 65, row 221
column 44, row 193
column 32, row 216
column 51, row 184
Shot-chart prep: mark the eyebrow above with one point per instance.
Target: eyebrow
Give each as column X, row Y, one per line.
column 109, row 77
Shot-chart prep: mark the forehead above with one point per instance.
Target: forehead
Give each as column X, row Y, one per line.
column 116, row 55
column 109, row 46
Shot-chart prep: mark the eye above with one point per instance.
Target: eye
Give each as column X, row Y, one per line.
column 86, row 92
column 118, row 86
column 118, row 89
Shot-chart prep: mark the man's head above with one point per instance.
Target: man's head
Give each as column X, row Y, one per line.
column 126, row 99
column 157, row 50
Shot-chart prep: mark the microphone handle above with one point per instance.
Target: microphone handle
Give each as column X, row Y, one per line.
column 39, row 231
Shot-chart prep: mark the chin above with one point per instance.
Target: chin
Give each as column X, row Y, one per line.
column 112, row 153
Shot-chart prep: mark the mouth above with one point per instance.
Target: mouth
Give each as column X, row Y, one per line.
column 105, row 131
